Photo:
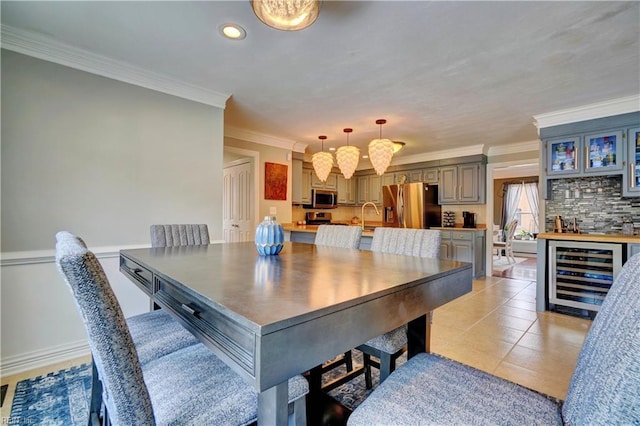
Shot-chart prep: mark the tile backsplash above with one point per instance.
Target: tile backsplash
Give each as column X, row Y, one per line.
column 595, row 201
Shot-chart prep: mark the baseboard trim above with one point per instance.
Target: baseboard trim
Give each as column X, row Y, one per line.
column 37, row 359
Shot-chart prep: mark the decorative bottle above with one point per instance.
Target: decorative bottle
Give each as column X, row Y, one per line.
column 269, row 237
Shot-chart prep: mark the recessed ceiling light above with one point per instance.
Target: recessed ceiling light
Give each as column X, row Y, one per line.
column 332, row 149
column 233, row 31
column 365, row 156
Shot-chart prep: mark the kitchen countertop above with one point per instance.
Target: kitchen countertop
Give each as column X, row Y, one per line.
column 455, row 228
column 294, row 227
column 597, row 238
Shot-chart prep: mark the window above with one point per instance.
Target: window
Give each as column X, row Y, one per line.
column 521, row 203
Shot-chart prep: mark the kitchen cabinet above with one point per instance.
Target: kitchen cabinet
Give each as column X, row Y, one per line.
column 632, row 249
column 631, row 177
column 430, row 176
column 467, row 245
column 346, row 190
column 413, row 176
column 331, row 182
column 462, row 184
column 586, row 154
column 301, row 183
column 369, row 189
column 390, row 178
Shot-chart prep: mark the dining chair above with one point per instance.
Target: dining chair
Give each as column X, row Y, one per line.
column 507, row 244
column 389, row 346
column 604, row 388
column 341, row 236
column 179, row 235
column 187, row 386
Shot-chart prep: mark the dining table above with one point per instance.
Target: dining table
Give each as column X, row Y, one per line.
column 273, row 317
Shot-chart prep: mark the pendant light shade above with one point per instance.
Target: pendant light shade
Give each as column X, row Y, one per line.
column 348, row 157
column 322, row 162
column 380, row 151
column 287, row 15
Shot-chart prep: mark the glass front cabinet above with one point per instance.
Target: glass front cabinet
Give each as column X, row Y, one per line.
column 597, row 153
column 631, row 179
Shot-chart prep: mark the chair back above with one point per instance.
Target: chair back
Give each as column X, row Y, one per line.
column 125, row 393
column 179, row 235
column 511, row 231
column 408, row 242
column 342, row 236
column 605, row 387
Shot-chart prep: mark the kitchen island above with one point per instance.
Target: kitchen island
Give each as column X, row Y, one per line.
column 575, row 271
column 307, row 233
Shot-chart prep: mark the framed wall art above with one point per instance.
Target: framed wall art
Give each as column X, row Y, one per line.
column 275, row 181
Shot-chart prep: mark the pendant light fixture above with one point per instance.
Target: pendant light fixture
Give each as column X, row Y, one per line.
column 348, row 157
column 380, row 151
column 322, row 162
column 287, row 15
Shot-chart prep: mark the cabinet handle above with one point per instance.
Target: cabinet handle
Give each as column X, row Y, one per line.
column 632, row 175
column 189, row 309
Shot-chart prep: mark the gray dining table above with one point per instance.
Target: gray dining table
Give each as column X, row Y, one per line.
column 273, row 317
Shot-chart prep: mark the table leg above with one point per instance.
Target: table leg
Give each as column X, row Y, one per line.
column 419, row 335
column 273, row 405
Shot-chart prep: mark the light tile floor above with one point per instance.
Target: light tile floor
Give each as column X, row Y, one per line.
column 494, row 328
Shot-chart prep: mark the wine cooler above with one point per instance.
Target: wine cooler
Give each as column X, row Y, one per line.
column 581, row 273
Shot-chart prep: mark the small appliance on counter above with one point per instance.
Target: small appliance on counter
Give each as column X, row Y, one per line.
column 318, row 218
column 469, row 220
column 449, row 219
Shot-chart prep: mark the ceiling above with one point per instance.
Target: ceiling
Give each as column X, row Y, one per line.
column 444, row 74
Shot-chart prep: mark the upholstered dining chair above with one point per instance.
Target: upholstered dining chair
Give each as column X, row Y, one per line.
column 187, row 386
column 179, row 235
column 341, row 236
column 389, row 346
column 507, row 244
column 604, row 388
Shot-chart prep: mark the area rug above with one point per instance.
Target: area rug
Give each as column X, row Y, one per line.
column 60, row 398
column 352, row 393
column 502, row 263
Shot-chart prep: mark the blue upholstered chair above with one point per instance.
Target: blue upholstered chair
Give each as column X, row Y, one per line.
column 341, row 236
column 186, row 386
column 179, row 235
column 604, row 389
column 389, row 346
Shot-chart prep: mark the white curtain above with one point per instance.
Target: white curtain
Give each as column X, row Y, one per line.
column 531, row 190
column 512, row 200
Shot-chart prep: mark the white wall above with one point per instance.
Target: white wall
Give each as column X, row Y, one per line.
column 102, row 159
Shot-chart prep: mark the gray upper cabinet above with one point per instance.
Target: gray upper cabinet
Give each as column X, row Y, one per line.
column 600, row 147
column 301, row 183
column 369, row 189
column 631, row 177
column 346, row 190
column 430, row 175
column 331, row 182
column 462, row 184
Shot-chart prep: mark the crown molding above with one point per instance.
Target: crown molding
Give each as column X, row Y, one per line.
column 263, row 139
column 42, row 47
column 588, row 112
column 514, row 148
column 439, row 155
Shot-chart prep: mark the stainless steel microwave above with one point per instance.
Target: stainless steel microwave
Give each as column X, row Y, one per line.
column 322, row 199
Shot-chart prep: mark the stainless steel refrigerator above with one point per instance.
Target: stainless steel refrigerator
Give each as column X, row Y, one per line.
column 411, row 205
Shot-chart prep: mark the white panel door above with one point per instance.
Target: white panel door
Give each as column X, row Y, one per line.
column 237, row 219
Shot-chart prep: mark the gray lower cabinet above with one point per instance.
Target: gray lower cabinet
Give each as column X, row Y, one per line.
column 310, row 238
column 465, row 246
column 632, row 249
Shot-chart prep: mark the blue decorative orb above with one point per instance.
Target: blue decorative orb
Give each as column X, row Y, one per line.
column 269, row 237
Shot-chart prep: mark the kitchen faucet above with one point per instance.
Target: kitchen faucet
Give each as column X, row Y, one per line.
column 365, row 205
